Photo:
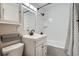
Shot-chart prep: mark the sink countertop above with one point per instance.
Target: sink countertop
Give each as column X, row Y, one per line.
column 35, row 36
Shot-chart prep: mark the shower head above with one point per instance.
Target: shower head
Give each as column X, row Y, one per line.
column 42, row 14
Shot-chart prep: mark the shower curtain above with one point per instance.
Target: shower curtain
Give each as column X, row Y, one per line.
column 72, row 42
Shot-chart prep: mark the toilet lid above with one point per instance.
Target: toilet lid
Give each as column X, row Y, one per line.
column 12, row 47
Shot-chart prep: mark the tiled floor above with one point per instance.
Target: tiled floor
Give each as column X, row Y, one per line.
column 54, row 51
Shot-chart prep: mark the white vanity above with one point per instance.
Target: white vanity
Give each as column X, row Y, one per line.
column 35, row 45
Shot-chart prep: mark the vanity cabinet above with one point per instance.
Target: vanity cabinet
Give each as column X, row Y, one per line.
column 35, row 46
column 41, row 50
column 10, row 13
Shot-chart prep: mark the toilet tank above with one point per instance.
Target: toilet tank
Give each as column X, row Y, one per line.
column 13, row 50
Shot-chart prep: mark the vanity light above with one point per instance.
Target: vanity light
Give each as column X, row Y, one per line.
column 31, row 6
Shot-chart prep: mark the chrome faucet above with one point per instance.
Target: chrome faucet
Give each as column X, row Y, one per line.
column 32, row 32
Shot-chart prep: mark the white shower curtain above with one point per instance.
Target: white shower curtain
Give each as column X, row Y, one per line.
column 72, row 42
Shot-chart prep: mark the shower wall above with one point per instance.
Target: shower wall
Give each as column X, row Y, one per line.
column 55, row 23
column 39, row 23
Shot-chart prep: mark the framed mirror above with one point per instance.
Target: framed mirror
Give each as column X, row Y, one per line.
column 29, row 17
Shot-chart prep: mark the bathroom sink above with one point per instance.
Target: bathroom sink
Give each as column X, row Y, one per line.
column 34, row 44
column 35, row 36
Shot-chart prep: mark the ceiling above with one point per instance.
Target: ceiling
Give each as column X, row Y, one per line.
column 38, row 5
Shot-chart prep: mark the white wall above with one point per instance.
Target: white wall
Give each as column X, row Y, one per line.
column 7, row 29
column 57, row 29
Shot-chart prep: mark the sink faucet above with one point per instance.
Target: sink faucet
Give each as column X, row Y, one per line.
column 32, row 32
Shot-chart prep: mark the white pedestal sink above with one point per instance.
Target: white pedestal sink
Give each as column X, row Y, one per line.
column 35, row 36
column 35, row 45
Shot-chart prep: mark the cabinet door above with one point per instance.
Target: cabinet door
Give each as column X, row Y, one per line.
column 29, row 47
column 44, row 49
column 10, row 12
column 39, row 50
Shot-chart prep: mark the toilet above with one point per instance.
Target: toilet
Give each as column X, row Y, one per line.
column 13, row 50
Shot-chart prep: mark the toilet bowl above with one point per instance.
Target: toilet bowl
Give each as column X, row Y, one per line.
column 13, row 50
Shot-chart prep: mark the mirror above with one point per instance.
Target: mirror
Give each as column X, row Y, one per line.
column 29, row 17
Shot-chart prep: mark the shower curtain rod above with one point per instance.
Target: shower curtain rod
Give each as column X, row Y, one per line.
column 43, row 6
